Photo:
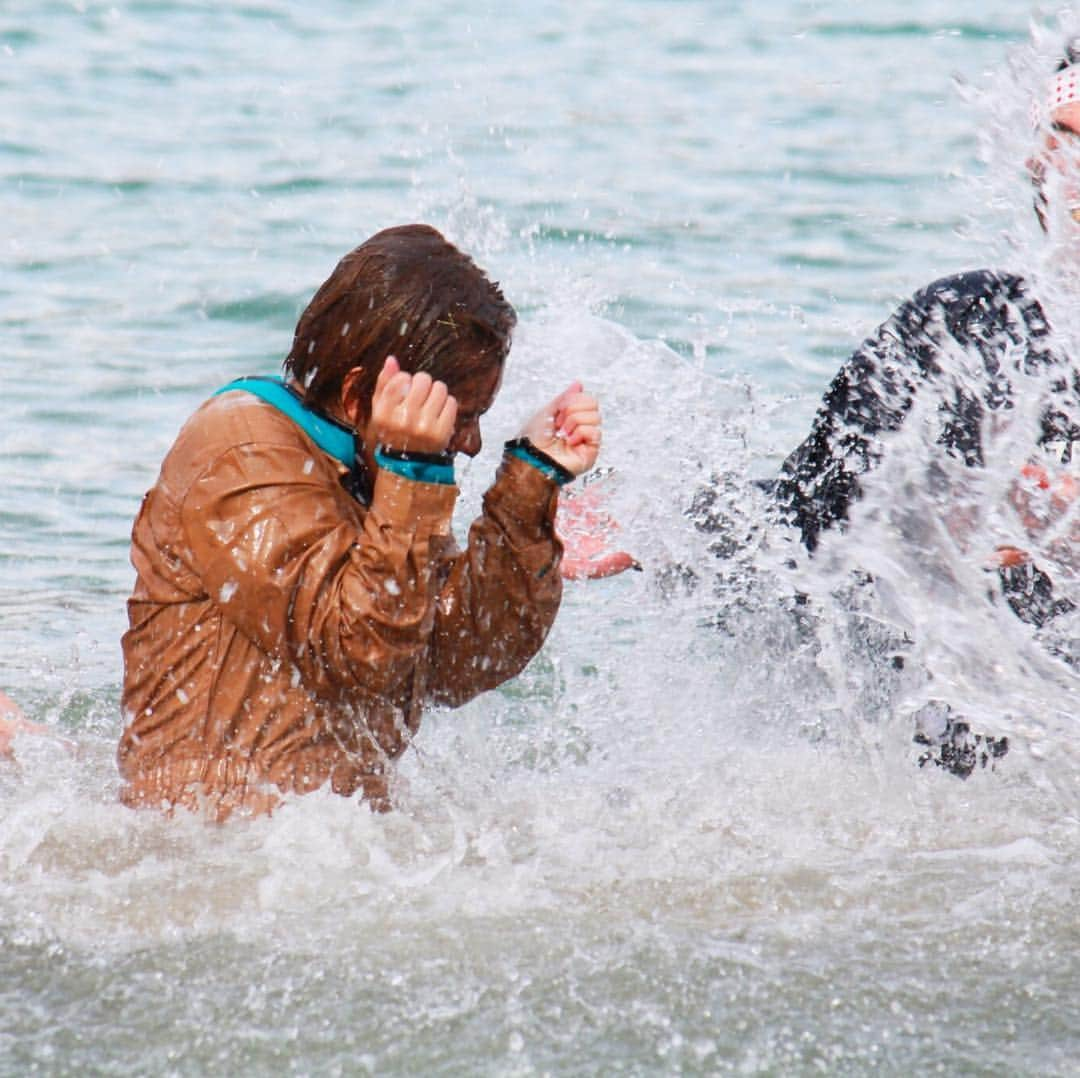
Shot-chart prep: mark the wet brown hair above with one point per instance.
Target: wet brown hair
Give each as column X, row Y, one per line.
column 406, row 292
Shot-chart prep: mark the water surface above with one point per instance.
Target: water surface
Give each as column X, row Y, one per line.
column 669, row 848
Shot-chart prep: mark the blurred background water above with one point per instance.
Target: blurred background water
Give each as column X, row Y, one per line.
column 667, row 848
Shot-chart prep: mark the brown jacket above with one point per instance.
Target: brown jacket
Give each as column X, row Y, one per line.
column 283, row 636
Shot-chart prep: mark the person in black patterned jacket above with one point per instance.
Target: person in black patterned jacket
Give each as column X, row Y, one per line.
column 991, row 314
column 968, row 348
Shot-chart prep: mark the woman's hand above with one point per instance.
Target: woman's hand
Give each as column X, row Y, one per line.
column 1042, row 496
column 410, row 412
column 590, row 536
column 14, row 723
column 567, row 429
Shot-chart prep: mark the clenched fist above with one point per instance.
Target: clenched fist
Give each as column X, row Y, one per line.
column 567, row 429
column 410, row 412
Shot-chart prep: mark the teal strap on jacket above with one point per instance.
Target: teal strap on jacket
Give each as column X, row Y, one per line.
column 421, row 467
column 524, row 450
column 331, row 437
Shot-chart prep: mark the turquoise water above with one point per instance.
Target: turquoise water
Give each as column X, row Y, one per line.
column 665, row 850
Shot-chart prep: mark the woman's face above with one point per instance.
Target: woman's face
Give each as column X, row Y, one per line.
column 475, row 389
column 475, row 392
column 1056, row 174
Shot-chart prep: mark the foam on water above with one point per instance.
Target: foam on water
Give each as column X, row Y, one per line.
column 669, row 843
column 693, row 837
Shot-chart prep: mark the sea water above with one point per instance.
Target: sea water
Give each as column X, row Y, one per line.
column 693, row 837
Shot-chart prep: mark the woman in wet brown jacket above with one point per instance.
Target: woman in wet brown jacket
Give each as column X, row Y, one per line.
column 299, row 595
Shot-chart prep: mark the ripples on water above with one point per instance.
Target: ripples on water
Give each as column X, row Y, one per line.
column 668, row 848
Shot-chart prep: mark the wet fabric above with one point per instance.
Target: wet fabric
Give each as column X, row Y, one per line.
column 329, row 435
column 991, row 316
column 284, row 636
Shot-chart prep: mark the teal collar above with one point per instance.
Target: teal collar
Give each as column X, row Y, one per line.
column 330, row 436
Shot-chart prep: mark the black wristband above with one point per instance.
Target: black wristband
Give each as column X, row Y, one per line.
column 419, row 458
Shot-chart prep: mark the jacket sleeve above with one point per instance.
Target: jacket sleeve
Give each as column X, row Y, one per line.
column 500, row 595
column 953, row 334
column 276, row 552
column 870, row 395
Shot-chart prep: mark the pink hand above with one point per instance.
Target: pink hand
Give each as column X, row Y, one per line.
column 568, row 429
column 588, row 533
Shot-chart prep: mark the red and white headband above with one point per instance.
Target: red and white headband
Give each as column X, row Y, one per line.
column 1062, row 89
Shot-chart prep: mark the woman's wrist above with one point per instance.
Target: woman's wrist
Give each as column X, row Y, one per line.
column 420, row 467
column 523, row 449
